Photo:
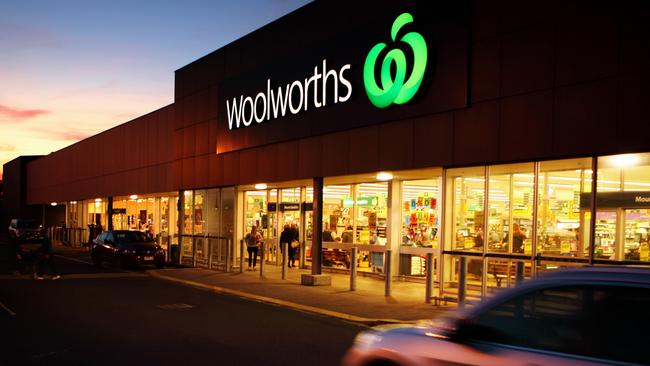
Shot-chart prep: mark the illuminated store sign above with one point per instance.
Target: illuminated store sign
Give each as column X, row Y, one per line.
column 273, row 103
column 395, row 89
column 311, row 92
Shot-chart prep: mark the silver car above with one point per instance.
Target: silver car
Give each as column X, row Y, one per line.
column 586, row 316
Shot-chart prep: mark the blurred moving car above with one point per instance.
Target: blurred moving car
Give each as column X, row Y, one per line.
column 24, row 231
column 586, row 316
column 124, row 248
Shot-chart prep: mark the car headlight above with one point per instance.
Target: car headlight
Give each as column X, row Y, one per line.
column 367, row 339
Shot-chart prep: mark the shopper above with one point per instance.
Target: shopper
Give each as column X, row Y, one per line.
column 285, row 241
column 518, row 238
column 253, row 242
column 294, row 245
column 45, row 257
column 478, row 239
column 348, row 235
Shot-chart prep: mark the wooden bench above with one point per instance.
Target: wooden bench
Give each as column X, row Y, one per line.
column 505, row 270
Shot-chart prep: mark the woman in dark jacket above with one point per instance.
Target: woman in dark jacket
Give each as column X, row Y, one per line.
column 285, row 239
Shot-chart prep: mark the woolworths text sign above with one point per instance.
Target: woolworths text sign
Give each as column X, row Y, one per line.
column 377, row 66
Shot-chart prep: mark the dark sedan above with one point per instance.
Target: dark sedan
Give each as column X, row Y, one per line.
column 126, row 248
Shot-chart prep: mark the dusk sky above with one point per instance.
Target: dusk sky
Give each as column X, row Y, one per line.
column 71, row 69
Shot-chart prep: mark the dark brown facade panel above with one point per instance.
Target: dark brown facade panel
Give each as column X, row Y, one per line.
column 230, row 169
column 433, row 140
column 335, row 153
column 476, row 134
column 202, row 139
column 485, row 70
column 484, row 20
column 188, row 173
column 287, row 165
column 634, row 36
column 212, row 135
column 177, row 144
column 584, row 118
column 215, row 170
column 515, row 14
column 201, row 172
column 248, row 166
column 365, row 149
column 177, row 174
column 179, row 110
column 396, row 145
column 526, row 130
column 267, row 163
column 527, row 60
column 189, row 141
column 310, row 156
column 587, row 48
column 634, row 125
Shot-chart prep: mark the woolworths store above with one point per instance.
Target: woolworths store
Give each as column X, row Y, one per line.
column 497, row 132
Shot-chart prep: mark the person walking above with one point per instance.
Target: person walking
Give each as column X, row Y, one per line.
column 285, row 238
column 294, row 244
column 45, row 257
column 253, row 241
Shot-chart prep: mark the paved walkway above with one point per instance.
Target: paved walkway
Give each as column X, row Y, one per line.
column 366, row 305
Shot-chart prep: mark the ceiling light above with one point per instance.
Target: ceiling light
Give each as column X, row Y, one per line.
column 133, row 197
column 384, row 176
column 260, row 186
column 98, row 200
column 625, row 160
column 53, row 203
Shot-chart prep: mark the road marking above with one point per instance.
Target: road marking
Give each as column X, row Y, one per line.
column 8, row 310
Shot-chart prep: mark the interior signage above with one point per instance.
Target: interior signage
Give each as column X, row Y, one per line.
column 119, row 211
column 290, row 207
column 627, row 199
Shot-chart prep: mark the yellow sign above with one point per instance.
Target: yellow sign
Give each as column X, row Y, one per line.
column 528, row 246
column 364, row 236
column 565, row 247
column 644, row 252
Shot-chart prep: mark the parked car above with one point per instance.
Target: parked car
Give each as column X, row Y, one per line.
column 587, row 316
column 25, row 231
column 124, row 248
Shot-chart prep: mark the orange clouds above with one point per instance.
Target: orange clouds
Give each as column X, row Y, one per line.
column 21, row 114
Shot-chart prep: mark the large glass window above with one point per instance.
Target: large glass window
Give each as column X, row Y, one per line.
column 337, row 214
column 563, row 224
column 510, row 208
column 255, row 210
column 623, row 208
column 371, row 214
column 465, row 203
column 420, row 218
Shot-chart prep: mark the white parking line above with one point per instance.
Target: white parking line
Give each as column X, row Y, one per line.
column 8, row 310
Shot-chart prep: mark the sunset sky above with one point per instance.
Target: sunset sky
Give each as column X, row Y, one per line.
column 71, row 69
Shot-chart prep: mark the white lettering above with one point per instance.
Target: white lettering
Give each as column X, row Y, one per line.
column 259, row 96
column 246, row 122
column 296, row 84
column 345, row 83
column 641, row 199
column 235, row 113
column 271, row 104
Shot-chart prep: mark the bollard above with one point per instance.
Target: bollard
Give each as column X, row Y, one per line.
column 262, row 260
column 303, row 256
column 284, row 260
column 462, row 274
column 520, row 273
column 241, row 256
column 387, row 270
column 210, row 251
column 228, row 250
column 353, row 269
column 429, row 287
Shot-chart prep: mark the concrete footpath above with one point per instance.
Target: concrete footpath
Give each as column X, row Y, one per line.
column 366, row 305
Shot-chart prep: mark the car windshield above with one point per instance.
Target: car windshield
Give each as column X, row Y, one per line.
column 26, row 224
column 131, row 237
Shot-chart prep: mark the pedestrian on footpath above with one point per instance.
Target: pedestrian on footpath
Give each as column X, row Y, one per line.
column 294, row 244
column 46, row 258
column 285, row 238
column 253, row 242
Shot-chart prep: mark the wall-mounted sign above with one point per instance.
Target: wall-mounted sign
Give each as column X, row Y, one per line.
column 290, row 207
column 361, row 201
column 627, row 199
column 119, row 211
column 380, row 63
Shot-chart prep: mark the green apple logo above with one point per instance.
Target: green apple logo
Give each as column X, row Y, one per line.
column 400, row 90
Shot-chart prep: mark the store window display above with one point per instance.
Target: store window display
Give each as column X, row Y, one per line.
column 465, row 209
column 420, row 219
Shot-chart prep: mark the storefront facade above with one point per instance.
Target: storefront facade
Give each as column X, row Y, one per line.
column 497, row 133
